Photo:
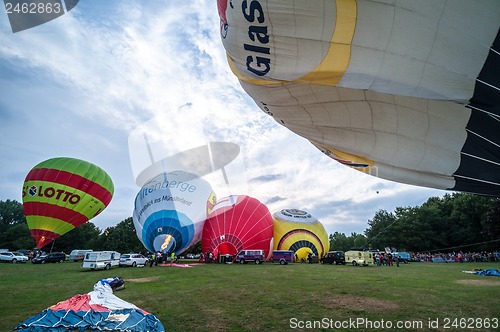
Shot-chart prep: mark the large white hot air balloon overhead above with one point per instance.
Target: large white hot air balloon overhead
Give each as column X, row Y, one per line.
column 404, row 90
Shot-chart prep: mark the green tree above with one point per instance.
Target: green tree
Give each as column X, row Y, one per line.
column 358, row 240
column 339, row 241
column 14, row 233
column 11, row 213
column 18, row 237
column 381, row 230
column 194, row 249
column 121, row 238
column 451, row 222
column 491, row 225
column 81, row 237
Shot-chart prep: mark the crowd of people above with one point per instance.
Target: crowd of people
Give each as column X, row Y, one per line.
column 461, row 257
column 389, row 259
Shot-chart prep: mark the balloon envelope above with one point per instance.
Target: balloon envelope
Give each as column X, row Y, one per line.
column 60, row 194
column 237, row 223
column 170, row 211
column 200, row 161
column 403, row 90
column 300, row 232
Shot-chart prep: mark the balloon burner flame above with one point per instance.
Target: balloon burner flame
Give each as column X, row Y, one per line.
column 168, row 238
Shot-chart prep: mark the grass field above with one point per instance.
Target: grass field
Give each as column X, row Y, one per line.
column 271, row 297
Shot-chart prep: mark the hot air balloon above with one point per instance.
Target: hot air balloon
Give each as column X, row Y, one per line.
column 60, row 194
column 170, row 210
column 238, row 222
column 299, row 231
column 408, row 91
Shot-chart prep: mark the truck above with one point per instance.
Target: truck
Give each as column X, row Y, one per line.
column 359, row 257
column 96, row 260
column 283, row 256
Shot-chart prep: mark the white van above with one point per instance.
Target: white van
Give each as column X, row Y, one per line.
column 78, row 254
column 96, row 260
column 356, row 257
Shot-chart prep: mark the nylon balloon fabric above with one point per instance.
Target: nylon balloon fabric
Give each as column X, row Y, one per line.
column 237, row 222
column 60, row 194
column 408, row 91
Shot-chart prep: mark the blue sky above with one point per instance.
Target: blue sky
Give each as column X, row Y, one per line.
column 85, row 84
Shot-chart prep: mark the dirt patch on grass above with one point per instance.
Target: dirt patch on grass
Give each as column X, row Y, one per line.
column 477, row 282
column 213, row 320
column 143, row 279
column 360, row 303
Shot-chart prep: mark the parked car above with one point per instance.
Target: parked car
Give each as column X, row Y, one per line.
column 11, row 257
column 133, row 260
column 333, row 257
column 53, row 257
column 26, row 252
column 256, row 256
column 78, row 254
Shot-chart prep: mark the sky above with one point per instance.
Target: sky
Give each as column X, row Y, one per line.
column 93, row 83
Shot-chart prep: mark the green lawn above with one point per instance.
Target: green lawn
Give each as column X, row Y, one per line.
column 270, row 297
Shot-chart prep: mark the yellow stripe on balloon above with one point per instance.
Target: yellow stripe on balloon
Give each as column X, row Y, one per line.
column 87, row 205
column 50, row 224
column 334, row 65
column 336, row 61
column 331, row 152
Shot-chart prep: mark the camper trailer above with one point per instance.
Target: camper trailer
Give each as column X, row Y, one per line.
column 96, row 260
column 359, row 257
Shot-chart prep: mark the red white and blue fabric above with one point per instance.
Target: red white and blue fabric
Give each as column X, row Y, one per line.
column 99, row 310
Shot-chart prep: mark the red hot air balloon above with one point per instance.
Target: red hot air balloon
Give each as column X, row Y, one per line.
column 237, row 223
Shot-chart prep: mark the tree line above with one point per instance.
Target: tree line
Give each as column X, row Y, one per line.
column 454, row 222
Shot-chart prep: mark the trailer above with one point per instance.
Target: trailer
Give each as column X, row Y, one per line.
column 359, row 257
column 283, row 256
column 96, row 260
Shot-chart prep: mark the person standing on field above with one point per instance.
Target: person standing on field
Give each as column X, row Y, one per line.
column 152, row 259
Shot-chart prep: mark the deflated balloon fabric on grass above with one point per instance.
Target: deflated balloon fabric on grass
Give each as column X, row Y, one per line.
column 99, row 310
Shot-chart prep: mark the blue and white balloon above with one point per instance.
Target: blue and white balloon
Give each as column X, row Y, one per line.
column 170, row 211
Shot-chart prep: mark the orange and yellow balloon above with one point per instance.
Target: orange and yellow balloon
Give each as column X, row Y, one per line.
column 60, row 194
